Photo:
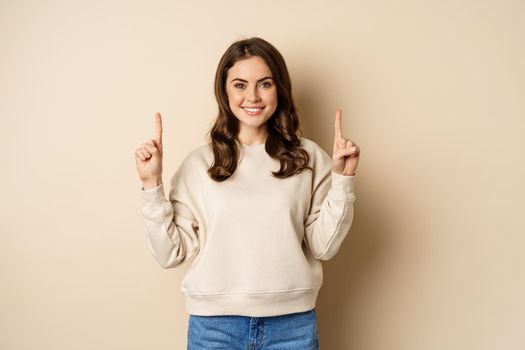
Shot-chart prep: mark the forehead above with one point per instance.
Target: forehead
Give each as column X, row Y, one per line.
column 252, row 68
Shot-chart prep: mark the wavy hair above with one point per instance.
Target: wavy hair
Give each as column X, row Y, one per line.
column 283, row 141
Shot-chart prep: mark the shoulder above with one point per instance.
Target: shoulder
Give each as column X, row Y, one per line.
column 199, row 159
column 201, row 154
column 190, row 171
column 320, row 161
column 314, row 150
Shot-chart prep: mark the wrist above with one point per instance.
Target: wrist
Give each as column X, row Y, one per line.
column 343, row 174
column 151, row 183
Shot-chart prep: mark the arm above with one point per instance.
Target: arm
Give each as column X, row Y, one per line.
column 331, row 210
column 172, row 232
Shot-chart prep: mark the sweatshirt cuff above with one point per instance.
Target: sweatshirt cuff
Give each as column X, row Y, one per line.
column 153, row 195
column 342, row 185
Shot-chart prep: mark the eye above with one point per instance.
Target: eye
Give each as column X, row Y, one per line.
column 266, row 84
column 239, row 85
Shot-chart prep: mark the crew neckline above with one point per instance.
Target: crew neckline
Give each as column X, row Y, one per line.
column 253, row 148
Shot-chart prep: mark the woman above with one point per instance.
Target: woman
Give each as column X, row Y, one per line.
column 254, row 210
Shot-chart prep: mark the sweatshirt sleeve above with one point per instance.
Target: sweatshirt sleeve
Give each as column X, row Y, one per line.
column 331, row 210
column 171, row 229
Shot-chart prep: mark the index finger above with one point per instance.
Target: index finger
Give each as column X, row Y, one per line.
column 158, row 128
column 338, row 123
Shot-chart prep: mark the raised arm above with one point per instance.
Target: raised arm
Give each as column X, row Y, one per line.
column 171, row 229
column 331, row 210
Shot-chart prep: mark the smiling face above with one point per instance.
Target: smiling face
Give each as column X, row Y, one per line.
column 252, row 96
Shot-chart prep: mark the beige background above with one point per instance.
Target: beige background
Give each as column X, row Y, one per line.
column 432, row 91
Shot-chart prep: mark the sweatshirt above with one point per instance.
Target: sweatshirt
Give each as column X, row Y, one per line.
column 254, row 242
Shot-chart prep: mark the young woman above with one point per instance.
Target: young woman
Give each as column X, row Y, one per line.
column 255, row 210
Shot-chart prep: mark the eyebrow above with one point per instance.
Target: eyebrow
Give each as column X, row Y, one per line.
column 245, row 81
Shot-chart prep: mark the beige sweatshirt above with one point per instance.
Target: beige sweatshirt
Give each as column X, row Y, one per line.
column 254, row 241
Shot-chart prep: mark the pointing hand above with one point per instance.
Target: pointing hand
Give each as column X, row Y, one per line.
column 149, row 157
column 346, row 153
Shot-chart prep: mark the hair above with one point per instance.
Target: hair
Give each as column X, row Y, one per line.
column 283, row 141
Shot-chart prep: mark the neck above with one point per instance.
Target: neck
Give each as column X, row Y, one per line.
column 255, row 137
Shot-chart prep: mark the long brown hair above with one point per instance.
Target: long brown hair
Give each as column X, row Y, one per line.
column 283, row 141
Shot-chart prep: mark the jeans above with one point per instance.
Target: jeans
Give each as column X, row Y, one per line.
column 297, row 331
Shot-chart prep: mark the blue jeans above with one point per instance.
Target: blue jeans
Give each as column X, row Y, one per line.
column 297, row 331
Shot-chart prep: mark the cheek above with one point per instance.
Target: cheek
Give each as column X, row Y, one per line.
column 271, row 97
column 234, row 99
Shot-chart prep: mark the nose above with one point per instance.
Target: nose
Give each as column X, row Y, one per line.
column 252, row 94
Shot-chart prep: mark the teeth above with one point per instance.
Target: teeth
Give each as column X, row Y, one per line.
column 253, row 110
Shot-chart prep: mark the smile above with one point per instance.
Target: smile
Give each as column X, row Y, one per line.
column 253, row 111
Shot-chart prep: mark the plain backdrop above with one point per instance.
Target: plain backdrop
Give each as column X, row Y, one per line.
column 432, row 91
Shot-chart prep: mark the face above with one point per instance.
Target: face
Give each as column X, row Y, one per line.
column 252, row 94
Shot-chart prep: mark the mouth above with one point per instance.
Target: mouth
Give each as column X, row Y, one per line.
column 253, row 110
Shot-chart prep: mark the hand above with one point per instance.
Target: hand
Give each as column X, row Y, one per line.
column 346, row 153
column 149, row 157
